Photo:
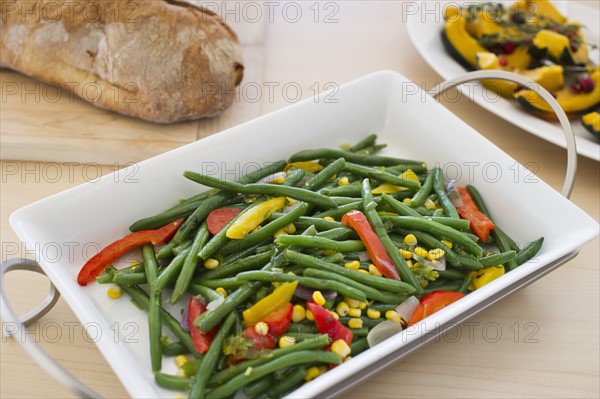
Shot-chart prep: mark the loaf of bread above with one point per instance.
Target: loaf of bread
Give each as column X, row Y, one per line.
column 159, row 60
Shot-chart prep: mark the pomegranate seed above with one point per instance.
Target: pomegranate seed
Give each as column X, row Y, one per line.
column 587, row 84
column 573, row 48
column 502, row 61
column 576, row 88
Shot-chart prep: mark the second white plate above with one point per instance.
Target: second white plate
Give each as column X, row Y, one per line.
column 425, row 29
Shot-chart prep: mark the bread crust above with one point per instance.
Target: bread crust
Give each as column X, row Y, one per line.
column 159, row 60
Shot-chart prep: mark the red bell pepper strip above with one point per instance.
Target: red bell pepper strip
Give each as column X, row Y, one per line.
column 433, row 302
column 377, row 252
column 254, row 343
column 114, row 251
column 481, row 225
column 327, row 324
column 219, row 218
column 200, row 340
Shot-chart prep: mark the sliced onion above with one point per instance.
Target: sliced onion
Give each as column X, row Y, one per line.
column 185, row 323
column 306, row 293
column 269, row 179
column 438, row 264
column 407, row 308
column 383, row 331
column 212, row 305
column 364, row 256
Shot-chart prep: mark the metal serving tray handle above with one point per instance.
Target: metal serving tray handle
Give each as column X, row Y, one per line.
column 46, row 362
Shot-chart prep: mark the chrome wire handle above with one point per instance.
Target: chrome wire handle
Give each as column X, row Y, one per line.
column 43, row 359
column 545, row 94
column 53, row 368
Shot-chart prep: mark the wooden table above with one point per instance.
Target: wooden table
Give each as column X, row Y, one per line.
column 540, row 342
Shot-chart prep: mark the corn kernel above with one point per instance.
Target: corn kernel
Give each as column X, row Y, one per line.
column 355, row 323
column 405, row 254
column 221, row 291
column 409, row 263
column 334, row 314
column 340, row 347
column 363, row 271
column 291, row 201
column 323, row 369
column 181, row 373
column 312, row 373
column 342, row 308
column 407, row 200
column 435, row 254
column 362, row 305
column 422, row 252
column 373, row 271
column 261, row 328
column 447, row 243
column 354, row 265
column 181, row 360
column 290, row 228
column 353, row 303
column 114, row 292
column 248, row 371
column 343, row 181
column 373, row 313
column 317, row 296
column 286, row 341
column 309, row 315
column 354, row 312
column 134, row 263
column 329, row 218
column 429, row 204
column 211, row 263
column 298, row 314
column 279, row 232
column 393, row 315
column 410, row 240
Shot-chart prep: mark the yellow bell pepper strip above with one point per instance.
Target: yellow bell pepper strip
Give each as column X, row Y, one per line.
column 253, row 217
column 308, row 166
column 387, row 188
column 281, row 296
column 481, row 277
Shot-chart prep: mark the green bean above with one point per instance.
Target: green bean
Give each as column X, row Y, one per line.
column 301, row 328
column 172, row 382
column 179, row 248
column 318, row 180
column 464, row 288
column 529, row 251
column 130, row 278
column 321, row 243
column 457, row 224
column 289, row 381
column 154, row 308
column 364, row 143
column 320, row 224
column 220, row 239
column 451, row 274
column 367, row 322
column 266, row 231
column 377, row 224
column 294, row 177
column 174, row 349
column 372, row 149
column 249, row 263
column 445, row 287
column 189, row 265
column 399, row 207
column 170, row 273
column 438, row 230
column 292, row 359
column 438, row 187
column 384, row 307
column 319, row 341
column 380, row 175
column 382, row 283
column 259, row 386
column 105, row 279
column 358, row 346
column 299, row 194
column 340, row 210
column 497, row 259
column 328, row 153
column 140, row 297
column 166, row 251
column 467, row 262
column 372, row 293
column 226, row 283
column 421, row 196
column 250, row 251
column 206, row 292
column 343, row 200
column 359, row 332
column 337, row 234
column 332, row 285
column 166, row 217
column 209, row 361
column 349, row 190
column 209, row 319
